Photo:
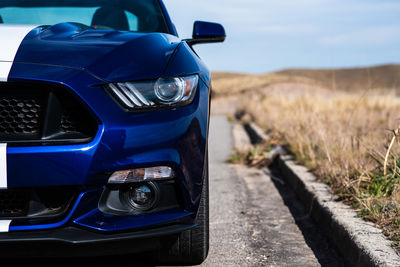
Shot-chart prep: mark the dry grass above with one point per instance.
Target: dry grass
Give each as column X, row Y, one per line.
column 353, row 79
column 342, row 136
column 386, row 76
column 229, row 83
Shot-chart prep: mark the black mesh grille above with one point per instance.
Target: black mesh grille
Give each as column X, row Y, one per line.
column 68, row 124
column 42, row 114
column 73, row 118
column 19, row 115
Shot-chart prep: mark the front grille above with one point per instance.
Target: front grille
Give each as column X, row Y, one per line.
column 42, row 203
column 19, row 115
column 42, row 114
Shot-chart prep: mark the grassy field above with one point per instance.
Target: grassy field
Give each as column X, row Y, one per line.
column 387, row 76
column 345, row 129
column 355, row 79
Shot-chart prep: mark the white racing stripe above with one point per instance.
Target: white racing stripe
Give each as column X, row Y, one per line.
column 11, row 37
column 4, row 225
column 3, row 166
column 5, row 68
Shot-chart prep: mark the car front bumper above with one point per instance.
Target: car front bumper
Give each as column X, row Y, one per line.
column 76, row 242
column 175, row 138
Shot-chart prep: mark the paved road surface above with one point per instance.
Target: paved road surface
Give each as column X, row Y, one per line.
column 255, row 219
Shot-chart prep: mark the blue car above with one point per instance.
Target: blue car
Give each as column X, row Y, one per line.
column 104, row 116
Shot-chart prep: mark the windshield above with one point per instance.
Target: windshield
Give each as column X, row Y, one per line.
column 124, row 15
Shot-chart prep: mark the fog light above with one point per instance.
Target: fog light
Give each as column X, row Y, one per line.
column 141, row 175
column 143, row 197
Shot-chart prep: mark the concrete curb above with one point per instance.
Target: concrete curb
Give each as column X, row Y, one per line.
column 256, row 134
column 359, row 242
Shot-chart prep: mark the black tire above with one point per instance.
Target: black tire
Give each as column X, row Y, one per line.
column 191, row 247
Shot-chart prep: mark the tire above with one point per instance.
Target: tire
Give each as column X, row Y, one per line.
column 191, row 247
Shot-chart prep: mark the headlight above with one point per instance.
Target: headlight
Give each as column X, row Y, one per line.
column 164, row 92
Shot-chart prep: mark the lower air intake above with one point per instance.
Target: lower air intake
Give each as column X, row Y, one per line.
column 35, row 203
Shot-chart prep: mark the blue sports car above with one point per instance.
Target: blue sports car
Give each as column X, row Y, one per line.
column 104, row 116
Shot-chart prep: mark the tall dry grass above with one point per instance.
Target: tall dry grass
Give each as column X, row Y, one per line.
column 343, row 138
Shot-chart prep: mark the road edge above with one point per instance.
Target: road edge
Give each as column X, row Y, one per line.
column 359, row 241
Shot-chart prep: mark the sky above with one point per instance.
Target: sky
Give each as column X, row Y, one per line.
column 270, row 35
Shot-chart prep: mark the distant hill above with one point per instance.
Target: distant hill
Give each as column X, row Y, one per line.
column 382, row 77
column 348, row 79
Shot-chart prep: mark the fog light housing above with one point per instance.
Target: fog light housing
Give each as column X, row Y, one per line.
column 141, row 175
column 142, row 196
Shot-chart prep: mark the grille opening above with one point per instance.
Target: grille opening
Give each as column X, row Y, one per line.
column 13, row 203
column 19, row 114
column 44, row 203
column 42, row 114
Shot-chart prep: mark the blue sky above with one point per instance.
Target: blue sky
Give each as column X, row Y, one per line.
column 268, row 35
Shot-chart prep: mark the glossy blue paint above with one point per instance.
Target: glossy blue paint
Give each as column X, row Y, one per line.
column 15, row 227
column 109, row 55
column 203, row 29
column 124, row 140
column 82, row 60
column 85, row 214
column 106, row 223
column 187, row 61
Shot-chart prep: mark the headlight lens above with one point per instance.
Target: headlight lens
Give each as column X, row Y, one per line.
column 175, row 91
column 170, row 90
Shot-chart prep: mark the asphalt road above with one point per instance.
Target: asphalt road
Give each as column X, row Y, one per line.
column 255, row 219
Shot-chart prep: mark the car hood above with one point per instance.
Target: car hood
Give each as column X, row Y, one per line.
column 109, row 55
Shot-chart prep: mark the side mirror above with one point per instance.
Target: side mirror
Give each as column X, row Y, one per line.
column 207, row 32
